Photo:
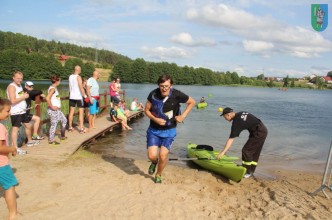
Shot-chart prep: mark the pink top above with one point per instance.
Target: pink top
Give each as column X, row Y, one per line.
column 3, row 137
column 113, row 89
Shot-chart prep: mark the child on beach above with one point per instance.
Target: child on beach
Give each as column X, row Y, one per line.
column 7, row 179
column 54, row 110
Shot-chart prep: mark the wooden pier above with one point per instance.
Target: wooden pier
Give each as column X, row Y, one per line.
column 75, row 140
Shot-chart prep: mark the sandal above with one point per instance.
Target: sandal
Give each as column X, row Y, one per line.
column 63, row 138
column 70, row 129
column 82, row 131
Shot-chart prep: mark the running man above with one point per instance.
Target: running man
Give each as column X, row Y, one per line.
column 163, row 109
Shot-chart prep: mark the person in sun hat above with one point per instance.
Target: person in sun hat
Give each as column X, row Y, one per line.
column 257, row 135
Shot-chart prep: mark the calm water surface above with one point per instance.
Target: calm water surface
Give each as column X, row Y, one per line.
column 298, row 121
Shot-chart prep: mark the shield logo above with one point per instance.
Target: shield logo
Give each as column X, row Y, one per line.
column 319, row 16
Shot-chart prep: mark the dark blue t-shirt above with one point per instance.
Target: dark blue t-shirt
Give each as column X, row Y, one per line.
column 171, row 106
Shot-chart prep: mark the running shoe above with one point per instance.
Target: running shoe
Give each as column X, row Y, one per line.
column 157, row 179
column 63, row 138
column 30, row 144
column 21, row 151
column 54, row 143
column 37, row 137
column 152, row 168
column 248, row 175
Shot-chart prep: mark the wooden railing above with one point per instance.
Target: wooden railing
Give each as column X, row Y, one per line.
column 102, row 107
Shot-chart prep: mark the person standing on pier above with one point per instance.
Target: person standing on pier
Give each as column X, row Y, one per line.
column 19, row 116
column 76, row 92
column 54, row 111
column 93, row 95
column 163, row 109
column 114, row 92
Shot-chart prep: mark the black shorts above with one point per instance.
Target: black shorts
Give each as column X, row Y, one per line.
column 17, row 120
column 115, row 99
column 76, row 102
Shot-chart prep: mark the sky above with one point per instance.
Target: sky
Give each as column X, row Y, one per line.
column 250, row 37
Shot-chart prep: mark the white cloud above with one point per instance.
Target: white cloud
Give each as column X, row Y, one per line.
column 83, row 38
column 187, row 40
column 257, row 46
column 262, row 33
column 227, row 17
column 165, row 53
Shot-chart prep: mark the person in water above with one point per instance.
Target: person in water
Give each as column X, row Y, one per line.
column 202, row 100
column 163, row 109
column 257, row 135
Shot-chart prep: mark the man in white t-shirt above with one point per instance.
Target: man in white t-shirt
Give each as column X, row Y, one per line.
column 93, row 95
column 76, row 95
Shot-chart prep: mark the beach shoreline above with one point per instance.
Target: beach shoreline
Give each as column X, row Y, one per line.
column 89, row 186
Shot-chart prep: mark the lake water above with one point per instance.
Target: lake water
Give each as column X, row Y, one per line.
column 299, row 122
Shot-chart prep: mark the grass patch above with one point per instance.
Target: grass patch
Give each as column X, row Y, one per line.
column 83, row 154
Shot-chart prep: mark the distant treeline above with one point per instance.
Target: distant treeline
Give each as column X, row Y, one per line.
column 38, row 59
column 140, row 71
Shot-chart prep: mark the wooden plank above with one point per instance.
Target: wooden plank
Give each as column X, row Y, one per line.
column 75, row 140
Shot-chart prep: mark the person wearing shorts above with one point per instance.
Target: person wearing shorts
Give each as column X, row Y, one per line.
column 93, row 95
column 8, row 180
column 19, row 116
column 163, row 109
column 76, row 96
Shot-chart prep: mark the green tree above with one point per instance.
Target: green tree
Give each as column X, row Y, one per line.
column 271, row 83
column 260, row 77
column 292, row 85
column 88, row 69
column 286, row 81
column 329, row 74
column 70, row 65
column 122, row 69
column 139, row 71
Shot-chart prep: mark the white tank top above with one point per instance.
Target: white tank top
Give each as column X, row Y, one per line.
column 74, row 89
column 55, row 98
column 18, row 108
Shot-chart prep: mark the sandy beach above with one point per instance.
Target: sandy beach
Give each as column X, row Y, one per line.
column 88, row 186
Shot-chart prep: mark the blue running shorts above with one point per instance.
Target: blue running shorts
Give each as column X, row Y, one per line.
column 160, row 138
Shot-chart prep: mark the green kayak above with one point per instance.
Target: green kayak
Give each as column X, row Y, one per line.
column 207, row 159
column 202, row 105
